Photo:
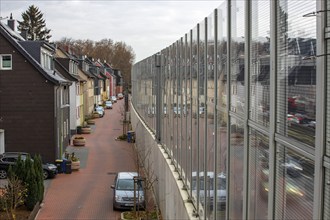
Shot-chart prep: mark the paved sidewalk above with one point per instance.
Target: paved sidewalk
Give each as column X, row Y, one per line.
column 87, row 193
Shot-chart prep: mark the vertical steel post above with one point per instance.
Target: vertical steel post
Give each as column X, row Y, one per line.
column 158, row 96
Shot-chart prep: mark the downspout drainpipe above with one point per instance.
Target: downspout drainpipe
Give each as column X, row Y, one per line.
column 56, row 123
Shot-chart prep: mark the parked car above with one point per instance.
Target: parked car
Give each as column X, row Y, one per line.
column 165, row 110
column 120, row 96
column 220, row 189
column 123, row 191
column 100, row 110
column 114, row 99
column 151, row 111
column 108, row 105
column 177, row 111
column 10, row 158
column 201, row 111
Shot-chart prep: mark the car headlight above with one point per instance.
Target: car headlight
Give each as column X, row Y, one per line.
column 298, row 168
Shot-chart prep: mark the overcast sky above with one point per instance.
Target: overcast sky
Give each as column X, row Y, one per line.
column 147, row 26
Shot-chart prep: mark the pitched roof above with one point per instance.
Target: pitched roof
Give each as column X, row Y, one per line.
column 15, row 39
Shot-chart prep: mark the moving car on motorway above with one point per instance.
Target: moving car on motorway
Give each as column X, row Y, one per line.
column 289, row 163
column 10, row 158
column 293, row 189
column 123, row 191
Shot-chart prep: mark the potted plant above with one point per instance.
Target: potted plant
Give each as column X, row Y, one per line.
column 79, row 141
column 86, row 129
column 75, row 162
column 90, row 122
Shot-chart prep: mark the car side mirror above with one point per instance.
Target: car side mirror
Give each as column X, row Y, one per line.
column 112, row 187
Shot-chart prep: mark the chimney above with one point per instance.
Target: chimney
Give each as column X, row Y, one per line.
column 11, row 22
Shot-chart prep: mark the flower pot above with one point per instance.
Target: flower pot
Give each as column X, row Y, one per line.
column 79, row 141
column 91, row 122
column 75, row 165
column 86, row 130
column 96, row 115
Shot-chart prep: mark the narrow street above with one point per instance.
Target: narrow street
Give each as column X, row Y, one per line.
column 87, row 193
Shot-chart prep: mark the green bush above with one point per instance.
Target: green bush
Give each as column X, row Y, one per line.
column 39, row 177
column 122, row 137
column 31, row 184
column 29, row 172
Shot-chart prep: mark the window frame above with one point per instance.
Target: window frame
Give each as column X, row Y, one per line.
column 2, row 63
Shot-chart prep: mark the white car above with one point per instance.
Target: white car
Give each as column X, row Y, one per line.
column 100, row 110
column 108, row 104
column 114, row 99
column 220, row 189
column 120, row 96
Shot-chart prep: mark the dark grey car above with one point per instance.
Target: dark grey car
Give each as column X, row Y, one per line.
column 10, row 158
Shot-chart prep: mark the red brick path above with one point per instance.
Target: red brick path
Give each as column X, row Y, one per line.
column 86, row 194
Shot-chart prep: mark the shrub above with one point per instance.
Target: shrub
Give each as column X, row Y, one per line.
column 13, row 196
column 39, row 176
column 31, row 184
column 122, row 137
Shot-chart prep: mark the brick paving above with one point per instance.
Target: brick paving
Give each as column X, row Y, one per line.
column 87, row 193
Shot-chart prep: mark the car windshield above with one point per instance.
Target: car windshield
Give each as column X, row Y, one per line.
column 221, row 183
column 127, row 184
column 108, row 102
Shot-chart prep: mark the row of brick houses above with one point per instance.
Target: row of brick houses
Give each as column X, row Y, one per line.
column 46, row 92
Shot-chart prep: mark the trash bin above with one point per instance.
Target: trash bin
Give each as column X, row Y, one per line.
column 130, row 136
column 60, row 165
column 79, row 129
column 68, row 169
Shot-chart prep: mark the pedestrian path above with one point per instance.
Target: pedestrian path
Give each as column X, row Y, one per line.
column 87, row 193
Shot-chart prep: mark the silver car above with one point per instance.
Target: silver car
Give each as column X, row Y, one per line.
column 123, row 191
column 210, row 189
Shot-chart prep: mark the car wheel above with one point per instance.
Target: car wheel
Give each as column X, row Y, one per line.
column 45, row 174
column 3, row 174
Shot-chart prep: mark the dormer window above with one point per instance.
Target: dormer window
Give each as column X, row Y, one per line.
column 6, row 62
column 46, row 60
column 73, row 67
column 85, row 66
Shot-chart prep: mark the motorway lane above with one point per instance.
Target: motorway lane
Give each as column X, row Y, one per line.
column 86, row 194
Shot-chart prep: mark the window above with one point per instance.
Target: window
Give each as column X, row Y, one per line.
column 77, row 89
column 5, row 62
column 46, row 60
column 65, row 96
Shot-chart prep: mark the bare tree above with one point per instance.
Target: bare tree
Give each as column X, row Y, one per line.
column 13, row 196
column 118, row 54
